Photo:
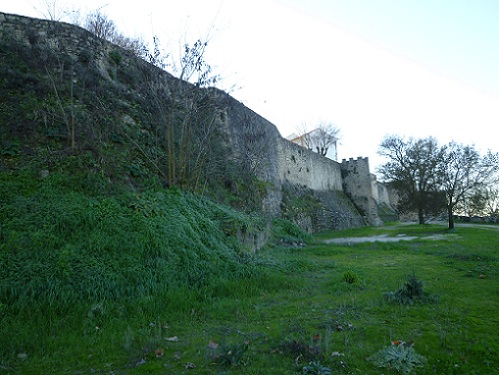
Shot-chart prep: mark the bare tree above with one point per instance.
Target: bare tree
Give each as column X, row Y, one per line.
column 136, row 45
column 54, row 10
column 475, row 204
column 304, row 137
column 99, row 24
column 325, row 136
column 492, row 205
column 319, row 139
column 67, row 112
column 185, row 115
column 483, row 202
column 430, row 177
column 463, row 172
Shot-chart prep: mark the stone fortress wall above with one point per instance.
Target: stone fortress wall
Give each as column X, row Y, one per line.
column 301, row 166
column 60, row 36
column 349, row 194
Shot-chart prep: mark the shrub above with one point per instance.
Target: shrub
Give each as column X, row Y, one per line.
column 302, row 350
column 286, row 232
column 411, row 291
column 115, row 57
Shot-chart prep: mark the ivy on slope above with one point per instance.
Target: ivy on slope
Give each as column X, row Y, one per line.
column 63, row 245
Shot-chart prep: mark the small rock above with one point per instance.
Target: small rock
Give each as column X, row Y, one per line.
column 190, row 366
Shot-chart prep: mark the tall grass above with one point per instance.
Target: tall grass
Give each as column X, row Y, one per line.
column 60, row 245
column 75, row 263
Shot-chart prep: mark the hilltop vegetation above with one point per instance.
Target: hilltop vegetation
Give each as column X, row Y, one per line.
column 124, row 119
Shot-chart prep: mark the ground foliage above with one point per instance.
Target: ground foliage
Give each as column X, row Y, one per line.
column 285, row 309
column 410, row 292
column 400, row 357
column 59, row 244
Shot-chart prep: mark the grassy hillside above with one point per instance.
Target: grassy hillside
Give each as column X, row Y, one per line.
column 70, row 259
column 59, row 243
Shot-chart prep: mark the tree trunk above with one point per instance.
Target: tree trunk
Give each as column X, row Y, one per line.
column 421, row 216
column 451, row 217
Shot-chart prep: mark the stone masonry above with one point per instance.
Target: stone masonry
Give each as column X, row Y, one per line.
column 347, row 192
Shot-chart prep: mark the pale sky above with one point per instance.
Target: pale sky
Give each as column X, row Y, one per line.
column 413, row 68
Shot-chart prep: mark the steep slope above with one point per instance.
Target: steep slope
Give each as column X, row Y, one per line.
column 77, row 102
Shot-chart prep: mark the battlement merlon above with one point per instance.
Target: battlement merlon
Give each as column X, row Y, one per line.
column 360, row 159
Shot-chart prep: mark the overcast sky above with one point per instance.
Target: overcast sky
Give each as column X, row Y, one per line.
column 414, row 68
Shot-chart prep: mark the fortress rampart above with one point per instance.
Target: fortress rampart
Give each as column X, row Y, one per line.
column 301, row 166
column 346, row 194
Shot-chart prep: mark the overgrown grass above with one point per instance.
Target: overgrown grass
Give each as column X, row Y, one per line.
column 156, row 282
column 66, row 246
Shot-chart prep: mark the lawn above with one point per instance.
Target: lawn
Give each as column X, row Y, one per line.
column 314, row 309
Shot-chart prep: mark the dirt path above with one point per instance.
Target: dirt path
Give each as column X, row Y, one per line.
column 403, row 237
column 386, row 238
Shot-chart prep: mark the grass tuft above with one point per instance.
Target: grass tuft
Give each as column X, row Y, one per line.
column 350, row 277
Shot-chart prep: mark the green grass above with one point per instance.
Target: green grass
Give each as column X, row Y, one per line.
column 148, row 283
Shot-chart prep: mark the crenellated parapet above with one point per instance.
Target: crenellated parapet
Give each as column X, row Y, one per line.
column 356, row 179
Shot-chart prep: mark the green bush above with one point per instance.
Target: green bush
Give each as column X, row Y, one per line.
column 229, row 354
column 115, row 57
column 315, row 368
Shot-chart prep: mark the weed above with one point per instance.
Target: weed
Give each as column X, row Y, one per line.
column 287, row 233
column 399, row 356
column 409, row 293
column 316, row 368
column 350, row 277
column 302, row 351
column 229, row 354
column 115, row 57
column 10, row 149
